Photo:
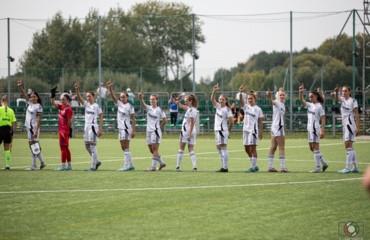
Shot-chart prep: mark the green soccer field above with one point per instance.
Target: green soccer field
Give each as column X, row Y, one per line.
column 166, row 204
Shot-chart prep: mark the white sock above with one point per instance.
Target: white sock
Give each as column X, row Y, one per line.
column 354, row 159
column 94, row 155
column 225, row 156
column 69, row 164
column 88, row 149
column 154, row 162
column 271, row 161
column 317, row 154
column 160, row 160
column 40, row 157
column 34, row 159
column 349, row 157
column 127, row 158
column 63, row 164
column 179, row 157
column 322, row 158
column 254, row 162
column 220, row 153
column 282, row 161
column 193, row 159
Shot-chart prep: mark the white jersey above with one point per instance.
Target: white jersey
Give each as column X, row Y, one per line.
column 33, row 110
column 251, row 116
column 346, row 109
column 91, row 113
column 154, row 118
column 123, row 115
column 314, row 112
column 222, row 114
column 190, row 113
column 278, row 115
column 103, row 92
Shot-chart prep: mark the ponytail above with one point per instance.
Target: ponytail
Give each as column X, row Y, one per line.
column 193, row 98
column 320, row 98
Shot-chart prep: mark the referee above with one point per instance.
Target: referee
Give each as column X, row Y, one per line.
column 7, row 127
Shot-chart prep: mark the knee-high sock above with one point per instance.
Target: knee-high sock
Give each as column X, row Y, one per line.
column 7, row 157
column 322, row 158
column 282, row 161
column 349, row 157
column 254, row 162
column 64, row 155
column 127, row 157
column 221, row 157
column 94, row 155
column 154, row 162
column 193, row 158
column 34, row 159
column 317, row 156
column 160, row 160
column 40, row 157
column 68, row 156
column 225, row 157
column 354, row 159
column 271, row 161
column 88, row 148
column 180, row 154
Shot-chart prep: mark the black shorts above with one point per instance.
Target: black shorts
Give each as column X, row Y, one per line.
column 5, row 134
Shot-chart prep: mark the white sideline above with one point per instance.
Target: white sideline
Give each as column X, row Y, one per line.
column 135, row 158
column 177, row 188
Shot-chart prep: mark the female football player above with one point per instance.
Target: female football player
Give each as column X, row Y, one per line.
column 126, row 131
column 222, row 132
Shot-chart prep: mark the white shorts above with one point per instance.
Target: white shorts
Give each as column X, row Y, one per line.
column 184, row 137
column 314, row 136
column 276, row 132
column 124, row 134
column 153, row 137
column 30, row 133
column 91, row 133
column 221, row 137
column 349, row 133
column 250, row 138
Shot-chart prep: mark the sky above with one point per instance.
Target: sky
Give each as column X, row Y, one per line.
column 229, row 40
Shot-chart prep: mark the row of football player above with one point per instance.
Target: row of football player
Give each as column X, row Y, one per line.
column 252, row 129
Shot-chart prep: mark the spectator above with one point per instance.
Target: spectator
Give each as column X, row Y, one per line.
column 183, row 94
column 235, row 112
column 103, row 96
column 358, row 94
column 73, row 97
column 241, row 116
column 173, row 108
column 20, row 99
column 29, row 92
column 131, row 96
column 244, row 97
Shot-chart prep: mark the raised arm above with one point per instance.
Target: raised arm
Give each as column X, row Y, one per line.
column 53, row 92
column 301, row 89
column 213, row 96
column 22, row 91
column 109, row 83
column 80, row 99
column 337, row 94
column 142, row 100
column 183, row 107
column 269, row 95
column 241, row 90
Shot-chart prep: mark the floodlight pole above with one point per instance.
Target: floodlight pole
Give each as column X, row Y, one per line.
column 354, row 52
column 193, row 53
column 232, row 81
column 9, row 59
column 100, row 61
column 63, row 80
column 291, row 73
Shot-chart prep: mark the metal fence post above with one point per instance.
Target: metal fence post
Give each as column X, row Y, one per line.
column 100, row 60
column 232, row 81
column 333, row 115
column 62, row 80
column 353, row 53
column 194, row 54
column 222, row 80
column 24, row 79
column 273, row 87
column 141, row 79
column 9, row 60
column 291, row 73
column 322, row 80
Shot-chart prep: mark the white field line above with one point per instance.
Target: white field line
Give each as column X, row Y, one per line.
column 136, row 158
column 179, row 188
